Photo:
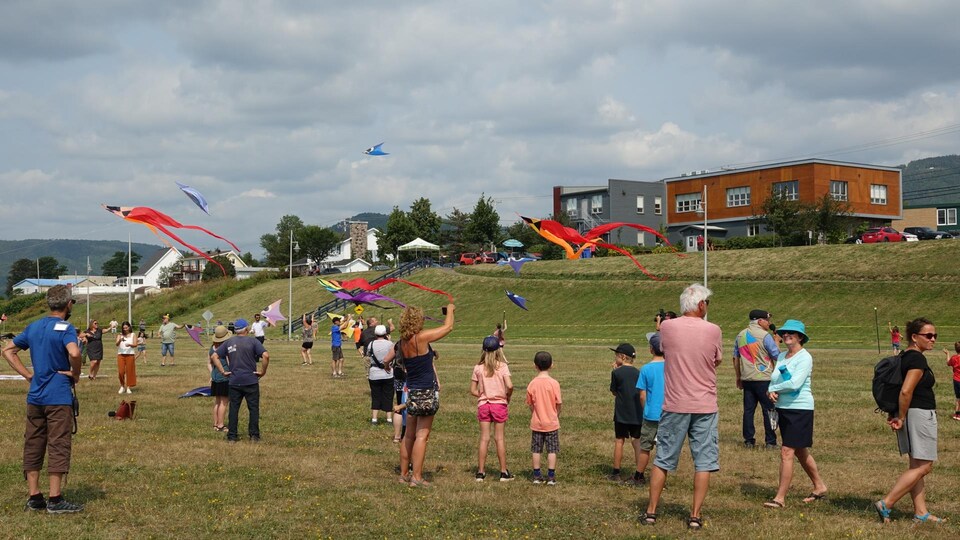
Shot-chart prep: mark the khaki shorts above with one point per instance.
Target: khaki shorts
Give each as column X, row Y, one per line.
column 648, row 435
column 48, row 431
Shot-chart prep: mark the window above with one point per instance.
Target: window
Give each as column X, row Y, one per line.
column 640, row 238
column 738, row 196
column 946, row 216
column 688, row 202
column 640, row 205
column 657, row 205
column 596, row 204
column 878, row 194
column 572, row 206
column 788, row 190
column 838, row 190
column 753, row 229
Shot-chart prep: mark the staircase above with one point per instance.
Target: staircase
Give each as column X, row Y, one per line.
column 339, row 304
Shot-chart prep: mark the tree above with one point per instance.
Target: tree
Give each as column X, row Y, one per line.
column 455, row 236
column 830, row 218
column 484, row 226
column 116, row 266
column 212, row 271
column 787, row 218
column 398, row 231
column 50, row 268
column 166, row 274
column 426, row 223
column 277, row 246
column 317, row 242
column 20, row 270
column 522, row 232
column 249, row 259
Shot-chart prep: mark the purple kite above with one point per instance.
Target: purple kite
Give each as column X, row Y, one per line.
column 516, row 263
column 367, row 297
column 518, row 300
column 194, row 332
column 272, row 313
column 195, row 196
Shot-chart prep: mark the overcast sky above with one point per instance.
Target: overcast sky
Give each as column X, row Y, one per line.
column 266, row 106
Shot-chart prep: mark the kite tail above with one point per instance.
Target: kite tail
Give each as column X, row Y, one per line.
column 421, row 287
column 199, row 228
column 635, row 261
column 195, row 249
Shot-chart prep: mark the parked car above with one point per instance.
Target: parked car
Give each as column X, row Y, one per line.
column 881, row 234
column 331, row 270
column 487, row 257
column 907, row 237
column 468, row 258
column 954, row 234
column 926, row 233
column 855, row 239
column 381, row 267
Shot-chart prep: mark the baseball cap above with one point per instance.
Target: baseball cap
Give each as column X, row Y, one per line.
column 491, row 343
column 380, row 330
column 654, row 339
column 221, row 334
column 627, row 349
column 240, row 324
column 760, row 314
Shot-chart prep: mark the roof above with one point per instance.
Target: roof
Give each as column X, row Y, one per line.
column 418, row 243
column 147, row 264
column 45, row 282
column 725, row 171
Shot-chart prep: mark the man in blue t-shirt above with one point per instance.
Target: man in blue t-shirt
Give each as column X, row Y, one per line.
column 650, row 385
column 336, row 346
column 242, row 353
column 55, row 358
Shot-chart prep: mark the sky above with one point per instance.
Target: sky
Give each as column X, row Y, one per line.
column 266, row 106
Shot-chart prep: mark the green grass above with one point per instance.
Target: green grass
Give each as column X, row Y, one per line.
column 322, row 471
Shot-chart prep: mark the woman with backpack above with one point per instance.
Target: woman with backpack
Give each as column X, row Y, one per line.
column 380, row 375
column 915, row 423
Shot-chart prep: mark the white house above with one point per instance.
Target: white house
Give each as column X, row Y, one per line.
column 148, row 274
column 344, row 252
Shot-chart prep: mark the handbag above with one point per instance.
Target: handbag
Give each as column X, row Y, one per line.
column 423, row 401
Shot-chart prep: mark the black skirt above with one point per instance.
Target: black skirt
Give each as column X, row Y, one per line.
column 796, row 428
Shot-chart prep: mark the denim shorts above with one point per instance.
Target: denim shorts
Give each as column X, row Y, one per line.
column 700, row 428
column 166, row 348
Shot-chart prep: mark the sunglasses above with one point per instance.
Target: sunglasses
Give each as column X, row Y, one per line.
column 788, row 333
column 929, row 335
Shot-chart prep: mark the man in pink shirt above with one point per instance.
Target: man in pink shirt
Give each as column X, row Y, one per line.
column 692, row 351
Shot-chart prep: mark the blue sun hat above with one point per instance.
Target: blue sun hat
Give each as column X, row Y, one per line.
column 793, row 325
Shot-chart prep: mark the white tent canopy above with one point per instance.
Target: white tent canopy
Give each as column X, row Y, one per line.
column 418, row 244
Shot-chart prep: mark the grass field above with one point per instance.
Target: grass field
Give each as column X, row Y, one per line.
column 323, row 471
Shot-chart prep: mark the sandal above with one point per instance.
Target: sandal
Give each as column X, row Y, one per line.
column 928, row 518
column 813, row 497
column 219, row 428
column 403, row 479
column 882, row 511
column 694, row 523
column 773, row 503
column 420, row 483
column 648, row 519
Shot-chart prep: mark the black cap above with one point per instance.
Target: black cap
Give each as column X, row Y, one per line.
column 760, row 314
column 627, row 349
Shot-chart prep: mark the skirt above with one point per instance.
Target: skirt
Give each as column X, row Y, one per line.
column 796, row 428
column 918, row 436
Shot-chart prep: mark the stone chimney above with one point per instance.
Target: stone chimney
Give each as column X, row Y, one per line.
column 358, row 239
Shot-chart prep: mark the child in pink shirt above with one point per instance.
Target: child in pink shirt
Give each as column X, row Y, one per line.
column 954, row 362
column 492, row 387
column 543, row 397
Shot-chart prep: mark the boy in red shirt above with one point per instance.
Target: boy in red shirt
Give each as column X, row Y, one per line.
column 543, row 397
column 954, row 362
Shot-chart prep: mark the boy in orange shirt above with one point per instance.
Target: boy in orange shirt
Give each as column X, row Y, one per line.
column 543, row 397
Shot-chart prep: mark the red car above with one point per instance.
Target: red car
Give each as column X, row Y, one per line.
column 881, row 234
column 486, row 257
column 468, row 258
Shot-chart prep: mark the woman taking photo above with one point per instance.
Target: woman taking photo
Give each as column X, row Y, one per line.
column 424, row 395
column 790, row 391
column 94, row 338
column 126, row 351
column 380, row 375
column 915, row 423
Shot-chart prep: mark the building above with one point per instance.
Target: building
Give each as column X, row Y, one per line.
column 150, row 268
column 34, row 285
column 360, row 244
column 620, row 200
column 734, row 197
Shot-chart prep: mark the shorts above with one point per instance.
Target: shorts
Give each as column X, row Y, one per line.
column 492, row 412
column 220, row 389
column 918, row 437
column 796, row 427
column 166, row 348
column 956, row 389
column 47, row 431
column 307, row 345
column 381, row 395
column 337, row 352
column 548, row 439
column 648, row 435
column 141, row 348
column 261, row 339
column 700, row 428
column 624, row 431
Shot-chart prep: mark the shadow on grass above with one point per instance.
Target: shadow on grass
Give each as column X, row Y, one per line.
column 84, row 493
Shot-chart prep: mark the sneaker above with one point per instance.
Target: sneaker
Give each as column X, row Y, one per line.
column 771, row 446
column 254, row 439
column 63, row 507
column 538, row 479
column 552, row 481
column 749, row 445
column 120, row 391
column 129, row 391
column 638, row 481
column 506, row 476
column 35, row 505
column 479, row 477
column 614, row 478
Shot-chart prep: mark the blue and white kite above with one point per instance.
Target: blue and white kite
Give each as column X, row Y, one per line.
column 376, row 151
column 195, row 196
column 520, row 301
column 516, row 263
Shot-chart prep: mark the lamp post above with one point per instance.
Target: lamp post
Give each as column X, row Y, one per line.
column 293, row 245
column 706, row 235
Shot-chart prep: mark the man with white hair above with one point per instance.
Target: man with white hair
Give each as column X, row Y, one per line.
column 692, row 350
column 242, row 353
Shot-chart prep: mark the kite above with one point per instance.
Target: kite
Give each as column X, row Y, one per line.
column 272, row 313
column 333, row 316
column 376, row 151
column 202, row 391
column 158, row 222
column 367, row 297
column 516, row 263
column 360, row 283
column 563, row 236
column 518, row 300
column 195, row 196
column 194, row 332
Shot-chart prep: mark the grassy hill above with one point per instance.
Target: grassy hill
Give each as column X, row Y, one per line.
column 833, row 289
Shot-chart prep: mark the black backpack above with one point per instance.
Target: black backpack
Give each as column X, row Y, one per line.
column 887, row 380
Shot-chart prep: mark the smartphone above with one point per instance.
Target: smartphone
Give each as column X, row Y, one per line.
column 443, row 310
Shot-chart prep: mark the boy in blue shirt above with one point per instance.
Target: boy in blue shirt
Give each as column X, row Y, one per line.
column 650, row 384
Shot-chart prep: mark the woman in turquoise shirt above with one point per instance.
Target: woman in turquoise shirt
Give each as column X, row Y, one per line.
column 790, row 391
